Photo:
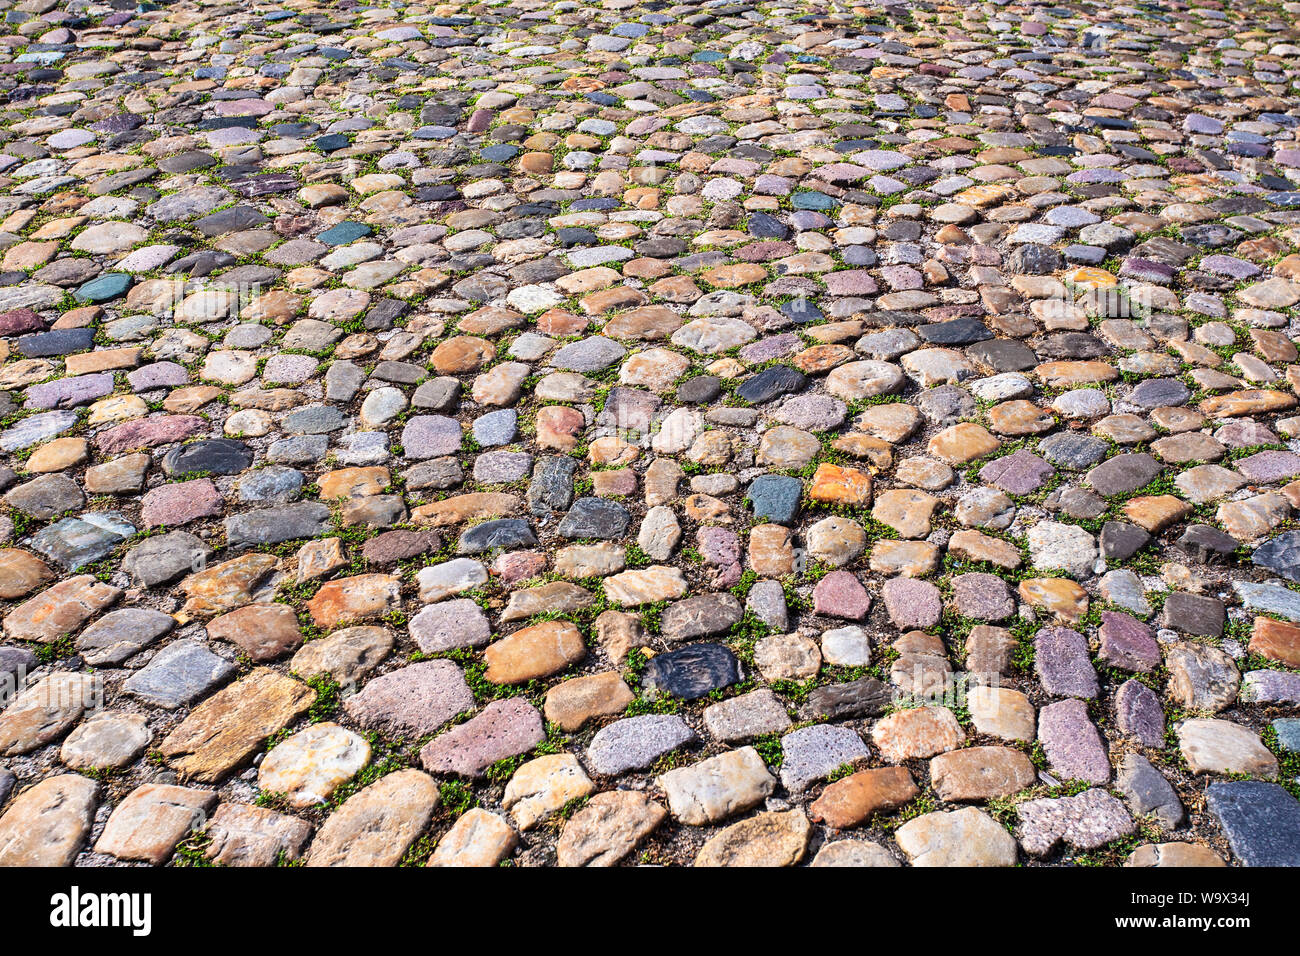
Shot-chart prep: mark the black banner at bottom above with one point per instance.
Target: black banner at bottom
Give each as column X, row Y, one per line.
column 141, row 908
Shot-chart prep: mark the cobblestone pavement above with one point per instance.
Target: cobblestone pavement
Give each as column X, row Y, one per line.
column 626, row 432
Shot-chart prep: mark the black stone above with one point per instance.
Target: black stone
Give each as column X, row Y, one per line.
column 867, row 697
column 595, row 518
column 955, row 332
column 331, row 142
column 220, row 456
column 502, row 534
column 691, row 672
column 771, row 383
column 699, row 390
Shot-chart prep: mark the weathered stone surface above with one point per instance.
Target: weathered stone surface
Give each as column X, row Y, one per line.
column 966, row 837
column 225, row 730
column 1075, row 751
column 377, row 825
column 1221, row 746
column 255, row 836
column 308, row 766
column 263, row 631
column 1201, row 677
column 854, row 799
column 636, row 742
column 59, row 610
column 572, row 703
column 417, row 699
column 759, row 366
column 107, row 739
column 717, row 788
column 916, row 732
column 1260, row 820
column 504, row 728
column 152, row 819
column 768, row 839
column 47, row 824
column 813, row 753
column 1089, row 820
column 1147, row 791
column 477, row 838
column 1173, row 854
column 980, row 773
column 608, row 828
column 543, row 786
column 346, row 656
column 1062, row 663
column 533, row 652
column 746, row 716
column 46, row 710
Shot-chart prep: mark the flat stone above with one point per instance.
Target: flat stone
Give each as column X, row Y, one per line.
column 1146, row 791
column 108, row 739
column 346, row 656
column 766, row 839
column 377, row 825
column 477, row 838
column 636, row 742
column 250, row 836
column 609, row 827
column 717, row 788
column 856, row 798
column 965, row 837
column 916, row 732
column 980, row 773
column 228, row 727
column 1074, row 748
column 813, row 753
column 1221, row 746
column 1201, row 677
column 179, row 674
column 1084, row 822
column 692, row 672
column 572, row 703
column 47, row 824
column 1138, row 711
column 152, row 819
column 1062, row 663
column 118, row 635
column 1260, row 820
column 504, row 728
column 46, row 710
